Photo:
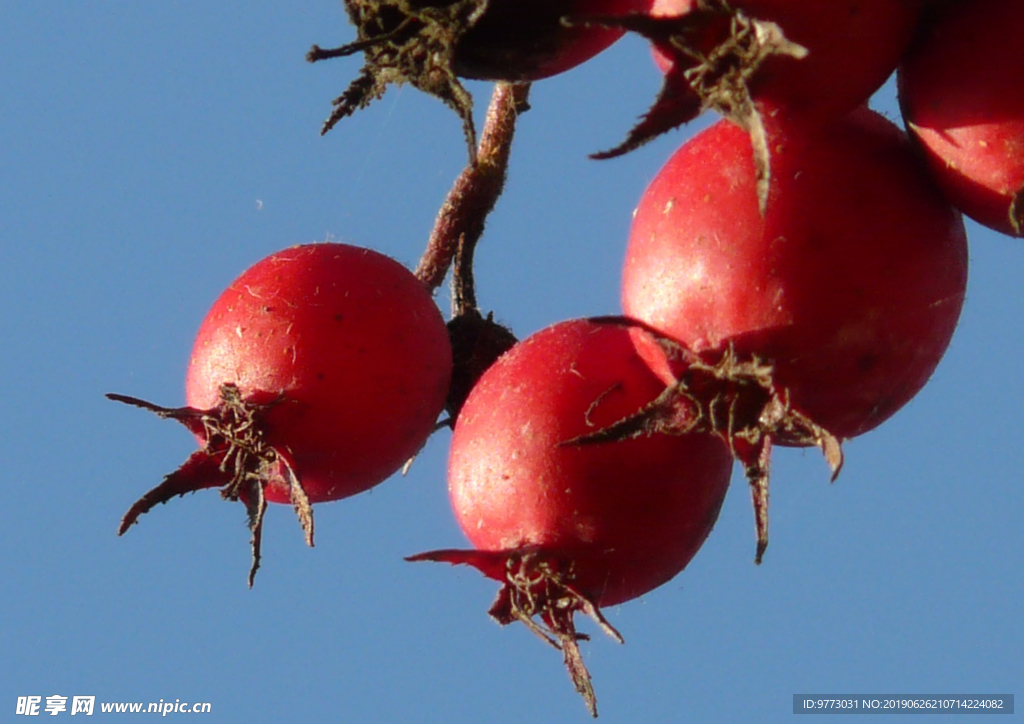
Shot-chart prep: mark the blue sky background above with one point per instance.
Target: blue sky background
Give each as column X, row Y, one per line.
column 149, row 152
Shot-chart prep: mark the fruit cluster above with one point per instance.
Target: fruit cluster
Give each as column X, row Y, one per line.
column 793, row 276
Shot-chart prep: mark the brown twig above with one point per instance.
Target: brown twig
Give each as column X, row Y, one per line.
column 462, row 217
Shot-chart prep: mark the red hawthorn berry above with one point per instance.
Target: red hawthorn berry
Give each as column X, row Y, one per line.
column 834, row 306
column 569, row 527
column 315, row 375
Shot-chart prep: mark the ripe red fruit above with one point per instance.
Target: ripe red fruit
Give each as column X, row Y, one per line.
column 432, row 44
column 819, row 60
column 567, row 527
column 848, row 288
column 960, row 93
column 315, row 375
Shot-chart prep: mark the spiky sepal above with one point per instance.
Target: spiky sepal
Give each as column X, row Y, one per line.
column 733, row 397
column 235, row 457
column 403, row 41
column 716, row 52
column 537, row 590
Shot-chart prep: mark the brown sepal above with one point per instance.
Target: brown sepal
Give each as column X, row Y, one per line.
column 236, row 458
column 406, row 42
column 536, row 585
column 716, row 52
column 733, row 398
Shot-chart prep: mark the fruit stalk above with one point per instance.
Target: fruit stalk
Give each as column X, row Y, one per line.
column 463, row 215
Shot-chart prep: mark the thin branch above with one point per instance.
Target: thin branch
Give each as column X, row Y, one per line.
column 464, row 213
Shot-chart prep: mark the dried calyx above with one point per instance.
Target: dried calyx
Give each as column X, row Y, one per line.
column 537, row 585
column 406, row 41
column 732, row 397
column 715, row 53
column 235, row 457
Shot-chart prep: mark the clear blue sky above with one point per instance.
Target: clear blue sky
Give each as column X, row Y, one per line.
column 152, row 151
